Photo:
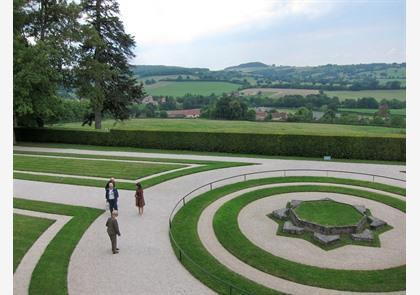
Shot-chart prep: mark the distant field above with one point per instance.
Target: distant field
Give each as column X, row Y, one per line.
column 400, row 112
column 160, row 77
column 277, row 92
column 378, row 94
column 246, row 127
column 181, row 88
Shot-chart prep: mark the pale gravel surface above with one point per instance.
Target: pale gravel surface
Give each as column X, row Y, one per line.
column 261, row 231
column 146, row 263
column 22, row 275
column 213, row 246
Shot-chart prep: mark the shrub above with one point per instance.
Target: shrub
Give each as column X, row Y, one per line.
column 343, row 147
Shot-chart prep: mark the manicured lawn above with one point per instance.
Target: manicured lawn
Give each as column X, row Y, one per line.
column 26, row 230
column 184, row 231
column 202, row 125
column 205, row 166
column 98, row 168
column 328, row 213
column 226, row 227
column 50, row 274
column 378, row 94
column 172, row 88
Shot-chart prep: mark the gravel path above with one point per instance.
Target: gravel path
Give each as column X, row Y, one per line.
column 213, row 246
column 146, row 263
column 22, row 275
column 261, row 230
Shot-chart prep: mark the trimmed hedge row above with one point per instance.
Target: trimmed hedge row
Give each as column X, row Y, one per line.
column 342, row 147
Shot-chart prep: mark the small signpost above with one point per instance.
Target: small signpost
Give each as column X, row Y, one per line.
column 327, row 158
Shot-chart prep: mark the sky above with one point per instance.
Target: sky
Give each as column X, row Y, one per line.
column 219, row 33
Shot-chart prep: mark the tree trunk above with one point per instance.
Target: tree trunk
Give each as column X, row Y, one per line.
column 98, row 118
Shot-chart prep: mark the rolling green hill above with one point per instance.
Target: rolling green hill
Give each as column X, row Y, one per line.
column 172, row 88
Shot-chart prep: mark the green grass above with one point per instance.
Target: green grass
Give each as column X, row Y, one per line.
column 202, row 125
column 227, row 230
column 50, row 274
column 186, row 152
column 399, row 112
column 328, row 213
column 345, row 239
column 184, row 230
column 26, row 230
column 206, row 166
column 96, row 168
column 378, row 94
column 172, row 88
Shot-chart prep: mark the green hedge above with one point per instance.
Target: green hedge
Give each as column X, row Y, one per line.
column 341, row 147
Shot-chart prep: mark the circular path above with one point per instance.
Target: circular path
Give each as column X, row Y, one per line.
column 261, row 231
column 146, row 263
column 214, row 247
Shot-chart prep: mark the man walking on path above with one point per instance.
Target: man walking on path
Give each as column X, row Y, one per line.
column 113, row 230
column 111, row 195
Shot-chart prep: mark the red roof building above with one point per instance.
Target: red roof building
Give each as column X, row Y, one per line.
column 192, row 113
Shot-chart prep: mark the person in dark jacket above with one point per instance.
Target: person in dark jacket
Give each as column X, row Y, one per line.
column 111, row 180
column 113, row 230
column 111, row 195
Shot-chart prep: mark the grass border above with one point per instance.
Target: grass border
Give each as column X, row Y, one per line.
column 227, row 230
column 94, row 167
column 42, row 226
column 344, row 239
column 207, row 166
column 184, row 231
column 50, row 273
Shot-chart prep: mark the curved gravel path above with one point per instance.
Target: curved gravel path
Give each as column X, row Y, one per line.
column 23, row 273
column 146, row 263
column 261, row 231
column 208, row 238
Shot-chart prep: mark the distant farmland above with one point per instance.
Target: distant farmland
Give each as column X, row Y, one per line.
column 378, row 94
column 172, row 88
column 399, row 112
column 278, row 92
column 202, row 125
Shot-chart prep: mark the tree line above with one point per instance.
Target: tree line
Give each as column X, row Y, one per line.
column 60, row 44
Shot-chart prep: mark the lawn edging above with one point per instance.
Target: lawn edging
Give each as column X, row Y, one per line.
column 184, row 235
column 226, row 227
column 50, row 273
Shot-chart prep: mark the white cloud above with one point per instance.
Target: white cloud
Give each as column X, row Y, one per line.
column 165, row 21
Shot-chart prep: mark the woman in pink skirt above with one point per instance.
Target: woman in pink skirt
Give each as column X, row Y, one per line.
column 139, row 198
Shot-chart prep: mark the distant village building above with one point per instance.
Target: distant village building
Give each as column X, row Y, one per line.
column 149, row 100
column 162, row 99
column 189, row 114
column 282, row 116
column 260, row 116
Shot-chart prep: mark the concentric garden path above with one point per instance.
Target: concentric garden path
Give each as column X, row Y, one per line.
column 146, row 263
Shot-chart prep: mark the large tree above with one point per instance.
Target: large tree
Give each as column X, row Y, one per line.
column 44, row 36
column 104, row 75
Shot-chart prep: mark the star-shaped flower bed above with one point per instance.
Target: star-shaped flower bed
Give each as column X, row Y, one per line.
column 329, row 224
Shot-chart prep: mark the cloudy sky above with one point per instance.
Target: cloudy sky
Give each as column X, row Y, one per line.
column 219, row 33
